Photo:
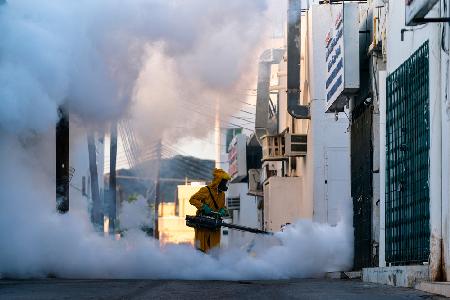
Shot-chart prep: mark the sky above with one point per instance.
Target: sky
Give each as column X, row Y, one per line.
column 204, row 146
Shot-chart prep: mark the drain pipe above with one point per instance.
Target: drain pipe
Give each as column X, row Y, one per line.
column 296, row 110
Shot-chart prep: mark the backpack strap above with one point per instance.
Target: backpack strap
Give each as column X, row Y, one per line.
column 212, row 197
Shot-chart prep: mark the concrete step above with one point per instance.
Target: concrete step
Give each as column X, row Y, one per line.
column 439, row 288
column 401, row 276
column 353, row 274
column 343, row 275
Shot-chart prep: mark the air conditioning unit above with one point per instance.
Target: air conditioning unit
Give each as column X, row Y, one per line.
column 269, row 169
column 296, row 144
column 254, row 182
column 273, row 147
column 234, row 203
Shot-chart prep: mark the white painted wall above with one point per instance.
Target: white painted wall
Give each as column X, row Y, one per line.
column 382, row 159
column 328, row 155
column 325, row 138
column 248, row 213
column 319, row 19
column 337, row 187
column 445, row 141
column 445, row 96
column 283, row 120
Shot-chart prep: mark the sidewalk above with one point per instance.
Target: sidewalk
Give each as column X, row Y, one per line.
column 439, row 288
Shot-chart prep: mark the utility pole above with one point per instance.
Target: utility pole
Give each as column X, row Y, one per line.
column 112, row 179
column 217, row 136
column 97, row 216
column 62, row 161
column 157, row 188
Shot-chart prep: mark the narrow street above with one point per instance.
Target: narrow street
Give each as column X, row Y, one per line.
column 171, row 289
column 207, row 149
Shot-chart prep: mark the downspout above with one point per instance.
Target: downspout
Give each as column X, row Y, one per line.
column 294, row 108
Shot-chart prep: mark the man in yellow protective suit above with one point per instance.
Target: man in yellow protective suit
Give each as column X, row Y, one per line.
column 210, row 199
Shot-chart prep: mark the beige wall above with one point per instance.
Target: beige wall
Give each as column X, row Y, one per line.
column 185, row 193
column 166, row 209
column 283, row 202
column 172, row 224
column 173, row 230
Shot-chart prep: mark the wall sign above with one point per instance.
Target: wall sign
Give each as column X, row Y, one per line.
column 342, row 55
column 237, row 158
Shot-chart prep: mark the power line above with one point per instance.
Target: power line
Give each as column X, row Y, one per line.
column 182, row 157
column 195, row 168
column 213, row 118
column 247, row 102
column 231, row 116
column 247, row 112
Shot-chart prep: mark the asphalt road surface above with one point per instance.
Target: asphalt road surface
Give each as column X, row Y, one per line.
column 176, row 289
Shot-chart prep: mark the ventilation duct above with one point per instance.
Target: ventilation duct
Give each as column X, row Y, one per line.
column 293, row 62
column 266, row 60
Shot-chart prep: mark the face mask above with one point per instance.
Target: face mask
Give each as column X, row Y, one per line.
column 223, row 186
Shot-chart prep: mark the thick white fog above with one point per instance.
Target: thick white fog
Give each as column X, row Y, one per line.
column 36, row 241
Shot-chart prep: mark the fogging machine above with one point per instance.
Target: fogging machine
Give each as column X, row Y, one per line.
column 215, row 222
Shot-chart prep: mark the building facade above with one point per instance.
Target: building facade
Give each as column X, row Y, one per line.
column 172, row 216
column 410, row 88
column 306, row 161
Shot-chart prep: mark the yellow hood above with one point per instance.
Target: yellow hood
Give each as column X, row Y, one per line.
column 218, row 175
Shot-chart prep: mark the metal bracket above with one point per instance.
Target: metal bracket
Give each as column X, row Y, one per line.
column 431, row 20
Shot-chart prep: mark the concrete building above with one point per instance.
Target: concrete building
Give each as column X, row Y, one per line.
column 244, row 211
column 306, row 169
column 244, row 153
column 172, row 223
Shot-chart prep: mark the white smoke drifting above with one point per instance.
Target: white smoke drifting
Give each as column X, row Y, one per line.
column 95, row 55
column 36, row 242
column 135, row 214
column 103, row 58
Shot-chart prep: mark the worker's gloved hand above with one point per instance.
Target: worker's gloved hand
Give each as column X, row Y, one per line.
column 223, row 212
column 206, row 209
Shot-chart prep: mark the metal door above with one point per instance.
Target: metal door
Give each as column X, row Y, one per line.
column 362, row 188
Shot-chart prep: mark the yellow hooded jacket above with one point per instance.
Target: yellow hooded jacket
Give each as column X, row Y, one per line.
column 206, row 239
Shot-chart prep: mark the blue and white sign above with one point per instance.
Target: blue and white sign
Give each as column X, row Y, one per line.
column 342, row 56
column 334, row 42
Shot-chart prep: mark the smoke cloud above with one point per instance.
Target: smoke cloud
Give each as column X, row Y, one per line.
column 155, row 62
column 90, row 55
column 37, row 242
column 135, row 214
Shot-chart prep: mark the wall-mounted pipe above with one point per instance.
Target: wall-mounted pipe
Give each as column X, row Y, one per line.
column 293, row 62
